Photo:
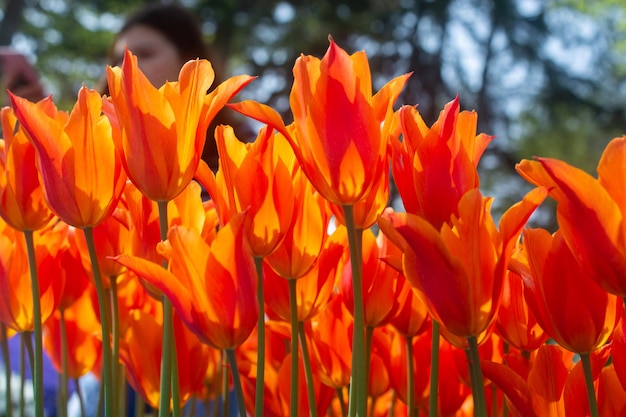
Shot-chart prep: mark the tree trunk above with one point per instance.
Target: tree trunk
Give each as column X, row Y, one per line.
column 11, row 21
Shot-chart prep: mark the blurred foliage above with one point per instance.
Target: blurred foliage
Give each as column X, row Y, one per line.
column 546, row 77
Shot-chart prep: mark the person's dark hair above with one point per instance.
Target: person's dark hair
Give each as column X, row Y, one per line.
column 179, row 26
column 174, row 22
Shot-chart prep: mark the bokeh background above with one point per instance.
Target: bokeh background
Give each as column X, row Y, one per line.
column 547, row 77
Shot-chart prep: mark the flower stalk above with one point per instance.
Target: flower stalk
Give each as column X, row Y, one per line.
column 308, row 372
column 591, row 395
column 410, row 385
column 358, row 380
column 234, row 370
column 434, row 370
column 6, row 356
column 260, row 376
column 37, row 363
column 169, row 381
column 293, row 310
column 107, row 355
column 476, row 375
column 63, row 380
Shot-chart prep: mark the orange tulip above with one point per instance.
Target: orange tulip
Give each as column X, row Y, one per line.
column 314, row 290
column 211, row 286
column 111, row 237
column 141, row 353
column 611, row 394
column 306, row 236
column 323, row 393
column 331, row 344
column 336, row 133
column 71, row 270
column 568, row 304
column 555, row 386
column 276, row 342
column 411, row 317
column 367, row 210
column 255, row 178
column 16, row 300
column 453, row 391
column 84, row 347
column 381, row 282
column 598, row 204
column 81, row 171
column 619, row 352
column 434, row 167
column 516, row 323
column 163, row 130
column 340, row 148
column 22, row 203
column 396, row 358
column 459, row 269
column 185, row 209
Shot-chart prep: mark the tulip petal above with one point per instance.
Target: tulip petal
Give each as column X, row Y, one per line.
column 513, row 386
column 155, row 274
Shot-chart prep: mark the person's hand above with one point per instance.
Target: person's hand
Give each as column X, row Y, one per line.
column 18, row 76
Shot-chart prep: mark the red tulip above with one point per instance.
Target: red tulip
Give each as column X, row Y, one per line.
column 598, row 204
column 211, row 286
column 459, row 269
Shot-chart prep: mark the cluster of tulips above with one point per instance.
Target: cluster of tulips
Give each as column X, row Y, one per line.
column 294, row 285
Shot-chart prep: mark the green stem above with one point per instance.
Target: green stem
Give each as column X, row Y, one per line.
column 410, row 403
column 260, row 376
column 225, row 386
column 63, row 394
column 234, row 370
column 104, row 321
column 23, row 373
column 28, row 342
column 121, row 393
column 169, row 377
column 505, row 350
column 591, row 394
column 358, row 380
column 192, row 407
column 293, row 310
column 392, row 403
column 139, row 406
column 81, row 400
column 115, row 328
column 369, row 338
column 372, row 409
column 37, row 367
column 166, row 358
column 342, row 402
column 6, row 356
column 476, row 374
column 115, row 325
column 100, row 399
column 434, row 371
column 308, row 371
column 175, row 384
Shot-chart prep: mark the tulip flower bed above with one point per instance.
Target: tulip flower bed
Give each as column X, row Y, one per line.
column 294, row 285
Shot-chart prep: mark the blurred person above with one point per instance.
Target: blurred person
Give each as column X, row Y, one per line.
column 18, row 76
column 164, row 37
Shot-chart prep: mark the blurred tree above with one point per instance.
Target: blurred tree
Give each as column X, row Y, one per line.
column 546, row 77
